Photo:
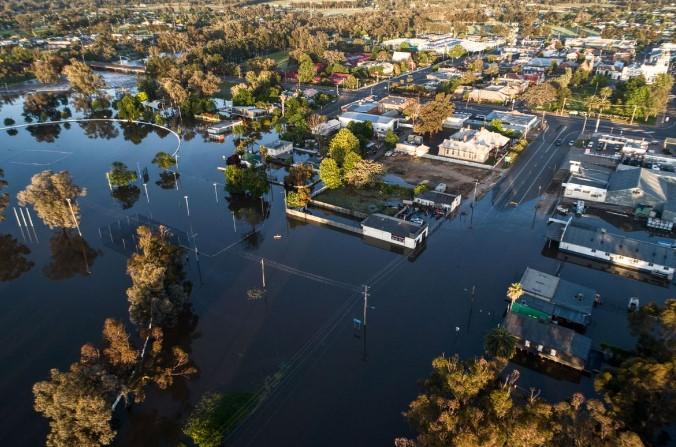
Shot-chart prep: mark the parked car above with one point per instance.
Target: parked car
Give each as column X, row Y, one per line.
column 557, row 142
column 633, row 304
column 417, row 221
column 562, row 210
column 571, row 143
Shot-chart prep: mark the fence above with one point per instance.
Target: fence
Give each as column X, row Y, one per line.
column 321, row 220
column 338, row 209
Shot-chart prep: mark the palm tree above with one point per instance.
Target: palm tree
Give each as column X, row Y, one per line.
column 500, row 343
column 514, row 292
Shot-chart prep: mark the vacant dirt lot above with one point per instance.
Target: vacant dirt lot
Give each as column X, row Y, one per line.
column 458, row 178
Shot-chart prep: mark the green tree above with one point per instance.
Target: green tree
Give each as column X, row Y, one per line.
column 341, row 144
column 391, row 139
column 47, row 69
column 350, row 162
column 50, row 194
column 456, row 52
column 120, row 175
column 82, row 79
column 433, row 114
column 500, row 343
column 158, row 292
column 129, row 108
column 329, row 173
column 306, row 70
column 204, row 426
column 242, row 180
column 364, row 173
column 350, row 82
column 298, row 198
column 164, row 160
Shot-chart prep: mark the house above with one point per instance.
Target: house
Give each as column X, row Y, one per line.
column 472, row 145
column 500, row 91
column 361, row 106
column 549, row 341
column 378, row 67
column 278, row 148
column 396, row 103
column 438, row 199
column 596, row 243
column 648, row 71
column 516, row 121
column 381, row 123
column 327, row 128
column 249, row 112
column 413, row 149
column 396, row 231
column 401, row 56
column 456, row 121
column 549, row 297
column 223, row 127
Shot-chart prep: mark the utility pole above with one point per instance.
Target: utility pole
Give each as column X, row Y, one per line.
column 366, row 303
column 563, row 107
column 187, row 206
column 476, row 183
column 633, row 114
column 598, row 121
column 263, row 271
column 110, row 186
column 584, row 126
column 215, row 192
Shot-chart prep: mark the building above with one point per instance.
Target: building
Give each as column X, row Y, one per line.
column 414, row 149
column 628, row 146
column 381, row 123
column 516, row 121
column 327, row 128
column 396, row 231
column 396, row 103
column 223, row 127
column 502, row 90
column 587, row 182
column 549, row 297
column 278, row 148
column 249, row 112
column 549, row 341
column 401, row 56
column 596, row 243
column 648, row 71
column 456, row 121
column 472, row 145
column 442, row 43
column 438, row 199
column 634, row 186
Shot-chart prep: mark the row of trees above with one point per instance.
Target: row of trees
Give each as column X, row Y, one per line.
column 344, row 165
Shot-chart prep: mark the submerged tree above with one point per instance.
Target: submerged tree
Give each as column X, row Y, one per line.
column 500, row 343
column 514, row 292
column 164, row 160
column 53, row 196
column 121, row 175
column 158, row 292
column 82, row 78
column 13, row 262
column 126, row 195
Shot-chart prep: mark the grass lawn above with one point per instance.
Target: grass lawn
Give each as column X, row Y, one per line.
column 282, row 59
column 375, row 199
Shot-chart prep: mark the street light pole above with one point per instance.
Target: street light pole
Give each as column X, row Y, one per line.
column 215, row 192
column 187, row 205
column 72, row 213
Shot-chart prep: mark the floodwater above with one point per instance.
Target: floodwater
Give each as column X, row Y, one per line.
column 334, row 388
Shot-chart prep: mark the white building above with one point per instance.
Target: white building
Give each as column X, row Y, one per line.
column 439, row 199
column 380, row 123
column 516, row 121
column 648, row 71
column 413, row 149
column 396, row 231
column 278, row 148
column 327, row 128
column 597, row 243
column 472, row 145
column 587, row 182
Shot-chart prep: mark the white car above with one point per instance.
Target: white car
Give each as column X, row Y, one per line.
column 417, row 221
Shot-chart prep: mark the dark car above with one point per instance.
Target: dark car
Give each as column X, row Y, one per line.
column 558, row 142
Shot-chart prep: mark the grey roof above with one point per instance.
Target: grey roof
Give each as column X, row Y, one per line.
column 589, row 175
column 358, row 116
column 624, row 179
column 393, row 225
column 513, row 118
column 438, row 197
column 564, row 340
column 599, row 239
column 557, row 296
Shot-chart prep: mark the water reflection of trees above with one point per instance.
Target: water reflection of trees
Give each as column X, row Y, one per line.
column 167, row 179
column 45, row 133
column 100, row 129
column 135, row 133
column 13, row 262
column 252, row 210
column 126, row 195
column 71, row 255
column 42, row 106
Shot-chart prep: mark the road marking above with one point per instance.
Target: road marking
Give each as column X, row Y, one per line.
column 527, row 162
column 538, row 175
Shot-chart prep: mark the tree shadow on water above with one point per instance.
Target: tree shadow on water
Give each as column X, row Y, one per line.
column 13, row 262
column 71, row 256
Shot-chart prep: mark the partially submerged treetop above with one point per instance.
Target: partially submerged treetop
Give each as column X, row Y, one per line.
column 49, row 193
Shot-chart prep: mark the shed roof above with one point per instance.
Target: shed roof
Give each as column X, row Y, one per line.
column 562, row 339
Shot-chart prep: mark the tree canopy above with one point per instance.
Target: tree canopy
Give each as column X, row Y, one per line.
column 49, row 193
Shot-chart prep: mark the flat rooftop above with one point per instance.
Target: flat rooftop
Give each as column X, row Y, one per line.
column 358, row 116
column 393, row 225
